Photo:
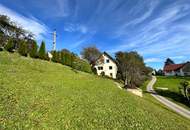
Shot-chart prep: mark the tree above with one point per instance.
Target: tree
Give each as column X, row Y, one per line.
column 91, row 54
column 185, row 89
column 42, row 51
column 9, row 29
column 131, row 68
column 169, row 61
column 160, row 72
column 33, row 50
column 10, row 45
column 81, row 65
column 22, row 50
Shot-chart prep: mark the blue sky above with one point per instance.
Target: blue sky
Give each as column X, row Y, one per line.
column 157, row 29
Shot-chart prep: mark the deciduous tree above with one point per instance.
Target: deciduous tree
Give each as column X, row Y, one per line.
column 131, row 68
column 91, row 54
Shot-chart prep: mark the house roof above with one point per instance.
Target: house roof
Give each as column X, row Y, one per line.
column 173, row 67
column 105, row 53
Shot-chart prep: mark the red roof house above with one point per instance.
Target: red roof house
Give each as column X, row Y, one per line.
column 177, row 69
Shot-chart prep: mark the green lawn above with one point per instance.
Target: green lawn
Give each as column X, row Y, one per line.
column 36, row 94
column 173, row 93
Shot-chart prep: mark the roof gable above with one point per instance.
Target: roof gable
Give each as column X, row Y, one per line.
column 106, row 54
column 173, row 67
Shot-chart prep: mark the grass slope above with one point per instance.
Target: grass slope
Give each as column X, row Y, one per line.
column 173, row 93
column 36, row 94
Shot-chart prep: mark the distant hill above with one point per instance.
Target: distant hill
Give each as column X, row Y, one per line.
column 42, row 95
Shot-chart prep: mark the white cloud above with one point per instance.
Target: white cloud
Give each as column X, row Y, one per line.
column 62, row 8
column 30, row 24
column 161, row 35
column 177, row 57
column 76, row 28
column 152, row 60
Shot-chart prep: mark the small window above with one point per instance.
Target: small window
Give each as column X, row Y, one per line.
column 100, row 68
column 111, row 74
column 110, row 67
column 107, row 61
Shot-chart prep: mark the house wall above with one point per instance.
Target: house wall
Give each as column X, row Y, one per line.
column 106, row 66
column 186, row 69
column 175, row 73
column 171, row 73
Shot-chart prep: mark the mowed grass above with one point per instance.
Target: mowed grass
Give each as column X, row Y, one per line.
column 36, row 94
column 173, row 92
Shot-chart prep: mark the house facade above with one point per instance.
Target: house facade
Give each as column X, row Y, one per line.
column 106, row 65
column 177, row 69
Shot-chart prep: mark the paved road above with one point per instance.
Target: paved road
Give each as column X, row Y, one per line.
column 182, row 111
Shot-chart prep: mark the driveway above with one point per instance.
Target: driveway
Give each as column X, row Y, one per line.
column 180, row 110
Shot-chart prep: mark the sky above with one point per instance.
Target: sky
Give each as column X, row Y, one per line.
column 156, row 29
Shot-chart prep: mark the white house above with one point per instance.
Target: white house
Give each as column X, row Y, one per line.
column 107, row 65
column 177, row 69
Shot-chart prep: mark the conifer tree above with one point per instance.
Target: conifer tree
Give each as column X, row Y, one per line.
column 42, row 51
column 22, row 50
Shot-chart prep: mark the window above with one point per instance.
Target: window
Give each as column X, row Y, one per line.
column 111, row 74
column 100, row 68
column 107, row 61
column 110, row 67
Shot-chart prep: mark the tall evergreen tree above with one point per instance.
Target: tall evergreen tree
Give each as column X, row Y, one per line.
column 42, row 51
column 169, row 61
column 33, row 50
column 22, row 50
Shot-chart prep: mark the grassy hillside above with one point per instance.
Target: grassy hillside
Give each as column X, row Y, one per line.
column 173, row 93
column 41, row 95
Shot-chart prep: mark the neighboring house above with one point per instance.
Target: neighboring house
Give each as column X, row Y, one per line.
column 177, row 69
column 107, row 65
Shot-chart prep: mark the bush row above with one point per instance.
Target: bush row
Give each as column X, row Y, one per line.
column 68, row 58
column 64, row 56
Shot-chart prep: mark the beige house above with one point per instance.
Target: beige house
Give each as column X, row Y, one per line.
column 177, row 69
column 106, row 65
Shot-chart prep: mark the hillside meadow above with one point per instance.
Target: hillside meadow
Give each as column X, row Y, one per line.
column 36, row 94
column 173, row 93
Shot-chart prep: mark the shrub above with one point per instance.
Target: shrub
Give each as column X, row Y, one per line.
column 81, row 65
column 10, row 45
column 185, row 89
column 1, row 48
column 94, row 70
column 56, row 56
column 22, row 50
column 102, row 74
column 34, row 50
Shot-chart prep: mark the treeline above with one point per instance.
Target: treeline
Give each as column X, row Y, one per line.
column 14, row 38
column 132, row 70
column 68, row 58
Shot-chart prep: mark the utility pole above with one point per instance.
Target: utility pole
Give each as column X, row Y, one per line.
column 54, row 40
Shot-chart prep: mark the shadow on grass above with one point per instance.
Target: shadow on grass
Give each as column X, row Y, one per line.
column 174, row 96
column 74, row 70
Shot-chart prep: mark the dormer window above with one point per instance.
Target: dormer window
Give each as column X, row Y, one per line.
column 107, row 61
